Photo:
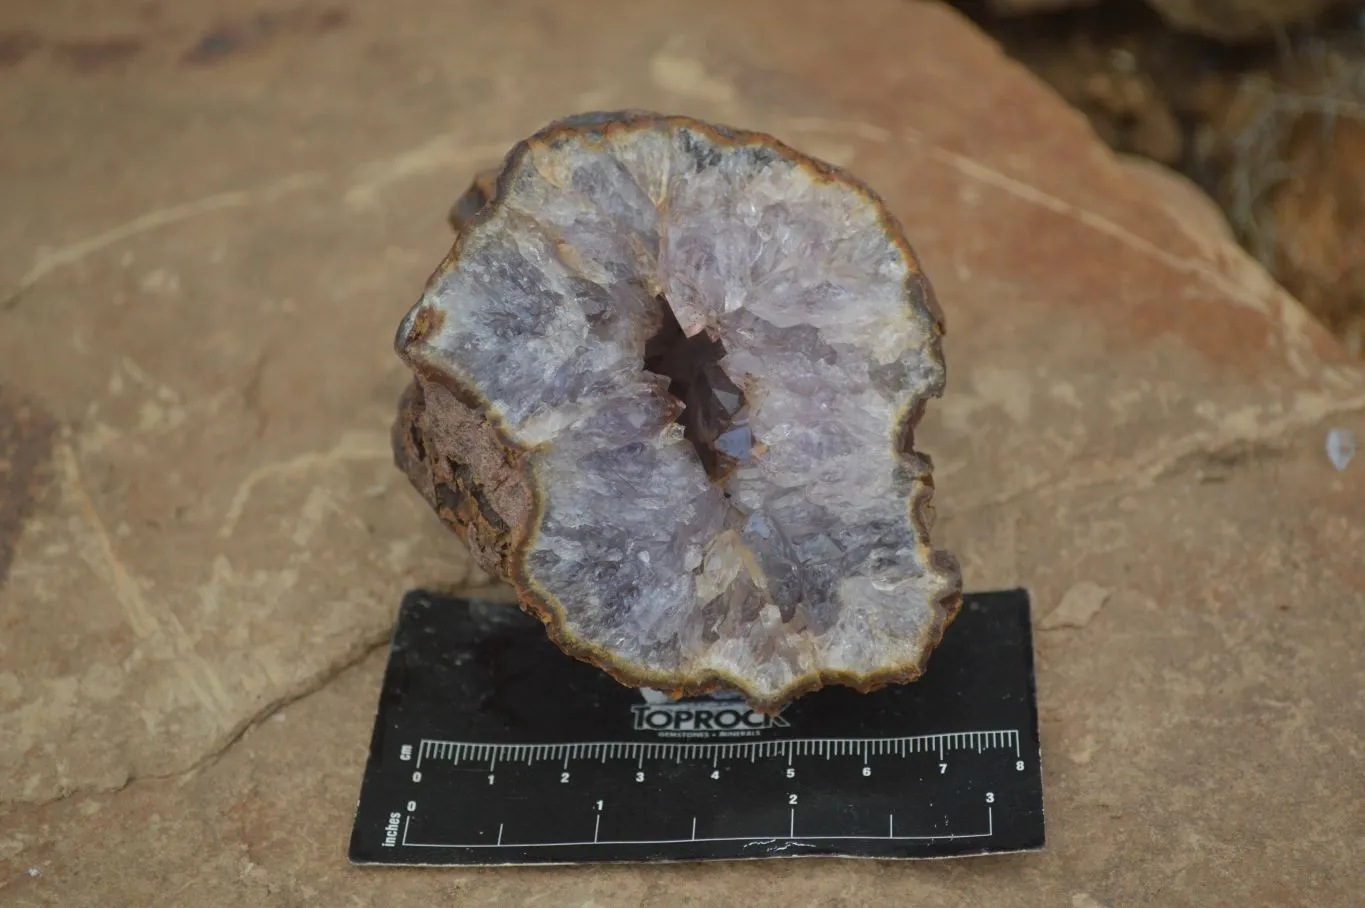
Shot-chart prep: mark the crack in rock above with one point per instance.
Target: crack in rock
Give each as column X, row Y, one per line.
column 350, row 660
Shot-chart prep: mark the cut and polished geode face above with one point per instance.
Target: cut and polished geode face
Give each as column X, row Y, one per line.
column 666, row 383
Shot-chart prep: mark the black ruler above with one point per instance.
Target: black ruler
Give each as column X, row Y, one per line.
column 493, row 747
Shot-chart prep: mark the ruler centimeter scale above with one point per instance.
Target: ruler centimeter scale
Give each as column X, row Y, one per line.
column 455, row 751
column 478, row 755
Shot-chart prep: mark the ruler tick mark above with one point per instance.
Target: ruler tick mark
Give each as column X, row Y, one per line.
column 828, row 748
column 499, row 833
column 596, row 826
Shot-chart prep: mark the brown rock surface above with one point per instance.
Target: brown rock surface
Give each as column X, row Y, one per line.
column 210, row 239
column 1224, row 20
column 1320, row 219
column 1239, row 20
column 1276, row 133
column 1292, row 156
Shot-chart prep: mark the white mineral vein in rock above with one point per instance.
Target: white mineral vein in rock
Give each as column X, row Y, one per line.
column 804, row 558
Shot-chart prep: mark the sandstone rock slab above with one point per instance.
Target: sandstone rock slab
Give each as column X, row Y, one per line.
column 1131, row 404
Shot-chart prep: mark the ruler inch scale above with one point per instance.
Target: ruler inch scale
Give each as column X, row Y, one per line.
column 790, row 835
column 491, row 747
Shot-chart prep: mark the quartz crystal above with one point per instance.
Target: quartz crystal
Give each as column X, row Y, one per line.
column 666, row 383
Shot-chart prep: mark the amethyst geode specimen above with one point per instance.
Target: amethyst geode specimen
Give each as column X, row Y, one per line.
column 666, row 384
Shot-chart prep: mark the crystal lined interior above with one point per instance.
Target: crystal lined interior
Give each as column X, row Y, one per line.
column 763, row 532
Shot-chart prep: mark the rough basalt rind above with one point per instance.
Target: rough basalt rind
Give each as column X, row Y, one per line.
column 484, row 492
column 453, row 444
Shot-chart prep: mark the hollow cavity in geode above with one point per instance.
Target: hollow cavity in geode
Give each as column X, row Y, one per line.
column 666, row 383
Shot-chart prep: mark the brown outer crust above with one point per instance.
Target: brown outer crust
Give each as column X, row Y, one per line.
column 484, row 496
column 472, row 200
column 491, row 498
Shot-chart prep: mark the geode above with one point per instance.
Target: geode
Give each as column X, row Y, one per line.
column 666, row 384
